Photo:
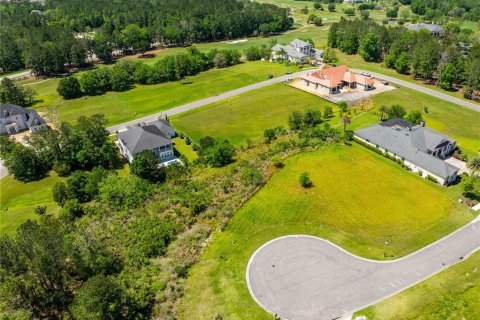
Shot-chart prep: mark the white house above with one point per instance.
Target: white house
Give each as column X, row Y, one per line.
column 14, row 119
column 297, row 51
column 435, row 29
column 421, row 149
column 155, row 136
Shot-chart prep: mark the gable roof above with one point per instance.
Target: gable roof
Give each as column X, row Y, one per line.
column 7, row 110
column 163, row 125
column 34, row 119
column 297, row 43
column 139, row 138
column 412, row 143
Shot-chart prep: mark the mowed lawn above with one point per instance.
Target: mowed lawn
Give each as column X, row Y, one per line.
column 358, row 200
column 18, row 199
column 458, row 122
column 143, row 100
column 452, row 294
column 246, row 115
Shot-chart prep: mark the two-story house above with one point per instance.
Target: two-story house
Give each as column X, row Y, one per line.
column 14, row 119
column 155, row 136
column 298, row 51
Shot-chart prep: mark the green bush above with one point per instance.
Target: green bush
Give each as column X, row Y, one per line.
column 304, row 180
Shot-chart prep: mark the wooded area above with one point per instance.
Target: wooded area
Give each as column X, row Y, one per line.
column 49, row 37
column 453, row 58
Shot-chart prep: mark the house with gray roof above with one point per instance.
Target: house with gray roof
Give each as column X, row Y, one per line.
column 14, row 119
column 435, row 29
column 298, row 51
column 155, row 136
column 421, row 149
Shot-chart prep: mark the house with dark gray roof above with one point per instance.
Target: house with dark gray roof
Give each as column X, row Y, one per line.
column 435, row 29
column 297, row 51
column 421, row 149
column 155, row 136
column 14, row 119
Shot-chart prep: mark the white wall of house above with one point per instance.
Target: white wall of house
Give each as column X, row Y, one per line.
column 414, row 168
column 38, row 127
column 20, row 121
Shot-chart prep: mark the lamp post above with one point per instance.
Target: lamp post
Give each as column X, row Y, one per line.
column 385, row 249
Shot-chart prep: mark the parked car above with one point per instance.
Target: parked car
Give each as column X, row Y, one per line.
column 385, row 83
column 366, row 74
column 288, row 72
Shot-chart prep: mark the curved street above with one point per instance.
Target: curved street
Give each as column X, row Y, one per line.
column 304, row 277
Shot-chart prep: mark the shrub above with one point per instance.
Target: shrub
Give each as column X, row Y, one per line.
column 269, row 135
column 277, row 161
column 332, row 7
column 432, row 178
column 40, row 210
column 304, row 180
column 62, row 169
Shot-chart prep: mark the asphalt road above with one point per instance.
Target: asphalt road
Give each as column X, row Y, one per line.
column 17, row 75
column 203, row 102
column 228, row 94
column 303, row 277
column 466, row 104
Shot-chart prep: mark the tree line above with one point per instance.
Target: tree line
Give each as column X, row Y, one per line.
column 58, row 34
column 451, row 59
column 124, row 74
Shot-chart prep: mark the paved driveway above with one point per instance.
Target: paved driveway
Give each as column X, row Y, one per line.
column 303, row 277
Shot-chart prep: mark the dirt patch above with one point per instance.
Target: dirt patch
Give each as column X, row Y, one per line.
column 147, row 54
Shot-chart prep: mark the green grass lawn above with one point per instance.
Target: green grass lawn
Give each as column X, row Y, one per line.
column 452, row 294
column 18, row 199
column 147, row 99
column 460, row 123
column 246, row 115
column 358, row 200
column 184, row 149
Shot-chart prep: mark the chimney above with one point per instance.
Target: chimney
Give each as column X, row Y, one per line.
column 422, row 123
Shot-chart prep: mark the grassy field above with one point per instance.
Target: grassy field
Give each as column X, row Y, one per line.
column 144, row 100
column 246, row 115
column 460, row 123
column 456, row 296
column 18, row 199
column 358, row 200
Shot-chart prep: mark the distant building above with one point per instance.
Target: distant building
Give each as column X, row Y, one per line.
column 14, row 119
column 331, row 80
column 297, row 51
column 420, row 148
column 435, row 29
column 155, row 136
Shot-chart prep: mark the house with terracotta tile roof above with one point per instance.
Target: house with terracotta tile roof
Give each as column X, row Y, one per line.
column 332, row 80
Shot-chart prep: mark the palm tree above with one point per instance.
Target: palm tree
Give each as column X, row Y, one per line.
column 282, row 53
column 474, row 164
column 346, row 119
column 383, row 109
